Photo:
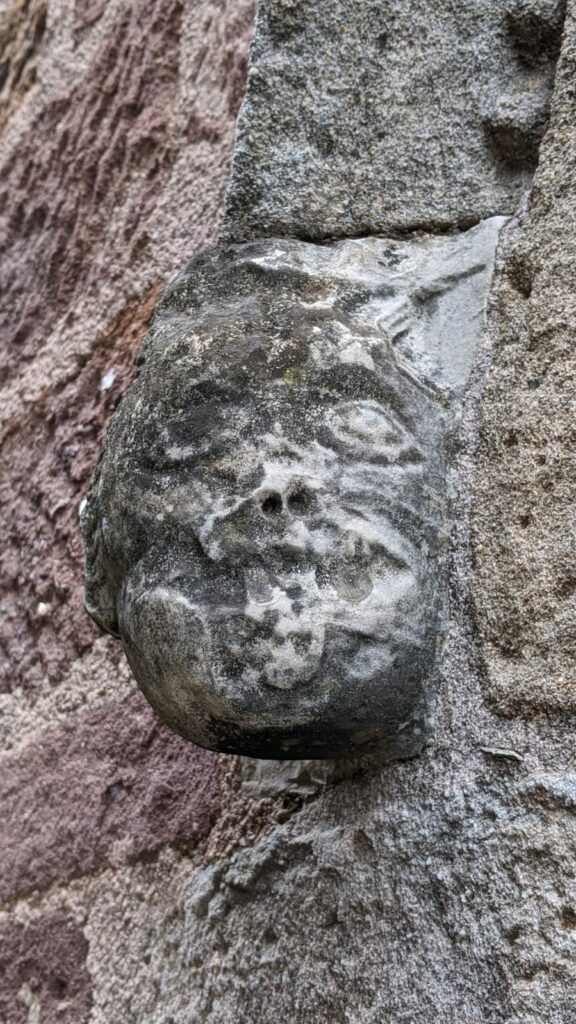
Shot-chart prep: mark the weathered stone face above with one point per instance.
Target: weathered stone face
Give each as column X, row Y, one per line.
column 266, row 527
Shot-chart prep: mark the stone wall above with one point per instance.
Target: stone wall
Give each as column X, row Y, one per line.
column 117, row 122
column 145, row 881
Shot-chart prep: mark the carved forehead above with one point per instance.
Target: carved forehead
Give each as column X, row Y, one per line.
column 263, row 309
column 414, row 308
column 228, row 383
column 267, row 359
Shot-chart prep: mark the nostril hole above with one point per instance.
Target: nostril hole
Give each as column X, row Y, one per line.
column 272, row 505
column 300, row 501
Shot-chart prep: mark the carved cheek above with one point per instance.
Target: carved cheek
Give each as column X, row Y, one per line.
column 167, row 648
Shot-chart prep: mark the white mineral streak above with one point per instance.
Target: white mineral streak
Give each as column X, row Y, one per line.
column 430, row 296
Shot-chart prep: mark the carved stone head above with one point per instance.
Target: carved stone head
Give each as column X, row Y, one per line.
column 267, row 524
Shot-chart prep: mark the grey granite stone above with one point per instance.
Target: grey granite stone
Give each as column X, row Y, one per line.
column 268, row 524
column 438, row 891
column 378, row 117
column 524, row 513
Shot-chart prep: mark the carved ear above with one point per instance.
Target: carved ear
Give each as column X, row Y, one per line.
column 100, row 592
column 449, row 305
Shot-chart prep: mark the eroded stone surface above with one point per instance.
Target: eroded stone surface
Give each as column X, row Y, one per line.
column 79, row 190
column 267, row 524
column 380, row 117
column 22, row 28
column 441, row 890
column 86, row 148
column 116, row 267
column 525, row 509
column 104, row 787
column 441, row 887
column 43, row 973
column 45, row 466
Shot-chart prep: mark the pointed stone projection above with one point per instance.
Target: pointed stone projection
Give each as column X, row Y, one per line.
column 268, row 523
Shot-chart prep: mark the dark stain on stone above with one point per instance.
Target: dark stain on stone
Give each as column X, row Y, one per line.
column 536, row 31
column 43, row 965
column 568, row 918
column 111, row 779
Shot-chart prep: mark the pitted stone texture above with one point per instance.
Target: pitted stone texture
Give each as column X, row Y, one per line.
column 119, row 261
column 378, row 117
column 43, row 973
column 80, row 189
column 525, row 505
column 441, row 891
column 86, row 13
column 98, row 677
column 63, row 187
column 104, row 787
column 267, row 525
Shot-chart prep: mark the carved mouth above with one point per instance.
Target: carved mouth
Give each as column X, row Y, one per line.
column 230, row 678
column 266, row 631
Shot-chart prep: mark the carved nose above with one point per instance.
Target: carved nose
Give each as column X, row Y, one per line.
column 296, row 500
column 272, row 505
column 263, row 519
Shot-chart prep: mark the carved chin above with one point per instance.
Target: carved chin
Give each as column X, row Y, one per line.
column 235, row 685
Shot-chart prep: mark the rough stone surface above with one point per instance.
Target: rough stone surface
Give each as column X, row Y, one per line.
column 441, row 889
column 383, row 117
column 431, row 892
column 45, row 466
column 43, row 974
column 267, row 525
column 22, row 27
column 141, row 97
column 110, row 134
column 99, row 676
column 525, row 506
column 111, row 167
column 107, row 786
column 434, row 892
column 91, row 315
column 438, row 890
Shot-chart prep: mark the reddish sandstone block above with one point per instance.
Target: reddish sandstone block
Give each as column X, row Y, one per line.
column 22, row 29
column 45, row 466
column 96, row 156
column 43, row 974
column 111, row 784
column 86, row 13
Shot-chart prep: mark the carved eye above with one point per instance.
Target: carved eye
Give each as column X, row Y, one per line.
column 371, row 429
